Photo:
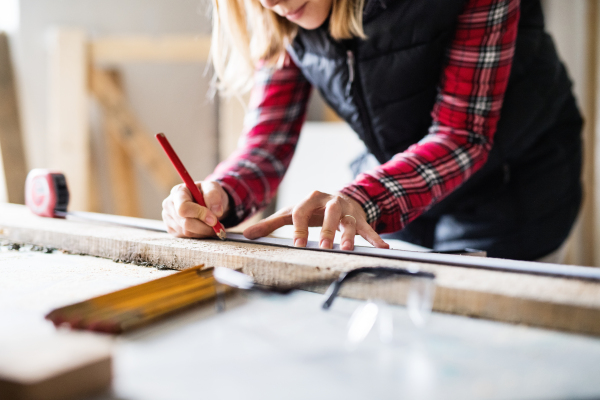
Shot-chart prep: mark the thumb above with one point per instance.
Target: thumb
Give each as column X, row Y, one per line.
column 213, row 197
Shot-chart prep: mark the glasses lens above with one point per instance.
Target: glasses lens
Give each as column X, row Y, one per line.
column 419, row 301
column 385, row 323
column 411, row 288
column 361, row 322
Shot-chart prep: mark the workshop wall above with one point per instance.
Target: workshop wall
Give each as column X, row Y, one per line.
column 167, row 97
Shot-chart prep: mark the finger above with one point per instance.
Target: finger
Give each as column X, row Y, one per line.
column 179, row 195
column 348, row 228
column 185, row 207
column 301, row 215
column 213, row 197
column 173, row 221
column 170, row 210
column 169, row 223
column 174, row 229
column 165, row 208
column 176, row 188
column 195, row 228
column 268, row 225
column 184, row 234
column 331, row 221
column 365, row 230
column 188, row 227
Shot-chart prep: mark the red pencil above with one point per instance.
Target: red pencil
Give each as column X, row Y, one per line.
column 187, row 179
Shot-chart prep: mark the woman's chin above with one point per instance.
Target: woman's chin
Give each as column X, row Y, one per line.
column 309, row 24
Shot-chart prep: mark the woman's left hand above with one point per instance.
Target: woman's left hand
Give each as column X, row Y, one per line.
column 331, row 211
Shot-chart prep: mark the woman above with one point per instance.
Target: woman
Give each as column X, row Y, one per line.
column 464, row 103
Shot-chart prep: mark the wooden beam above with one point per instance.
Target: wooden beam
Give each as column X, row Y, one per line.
column 12, row 156
column 122, row 173
column 121, row 168
column 69, row 147
column 543, row 301
column 53, row 365
column 130, row 132
column 149, row 49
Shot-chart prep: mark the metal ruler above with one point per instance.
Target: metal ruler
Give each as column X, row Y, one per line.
column 498, row 264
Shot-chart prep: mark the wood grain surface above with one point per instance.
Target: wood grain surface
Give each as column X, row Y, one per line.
column 68, row 140
column 53, row 365
column 12, row 155
column 123, row 49
column 551, row 302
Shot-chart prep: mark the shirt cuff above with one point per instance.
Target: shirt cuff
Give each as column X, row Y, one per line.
column 372, row 210
column 241, row 205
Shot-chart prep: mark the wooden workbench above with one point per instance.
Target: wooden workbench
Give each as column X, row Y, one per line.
column 288, row 348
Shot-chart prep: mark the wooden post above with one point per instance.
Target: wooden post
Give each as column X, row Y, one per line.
column 12, row 157
column 122, row 172
column 69, row 128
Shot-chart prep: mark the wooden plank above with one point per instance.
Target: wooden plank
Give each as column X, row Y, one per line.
column 550, row 302
column 53, row 365
column 12, row 156
column 122, row 173
column 130, row 132
column 69, row 129
column 149, row 49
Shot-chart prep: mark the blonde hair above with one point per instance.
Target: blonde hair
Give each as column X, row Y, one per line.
column 245, row 35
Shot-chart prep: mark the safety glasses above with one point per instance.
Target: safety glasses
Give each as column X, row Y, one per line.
column 417, row 288
column 410, row 287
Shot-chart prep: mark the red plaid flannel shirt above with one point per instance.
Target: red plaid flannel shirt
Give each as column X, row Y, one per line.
column 465, row 117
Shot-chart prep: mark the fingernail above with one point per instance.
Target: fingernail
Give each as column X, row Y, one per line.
column 325, row 244
column 211, row 220
column 347, row 245
column 216, row 209
column 299, row 242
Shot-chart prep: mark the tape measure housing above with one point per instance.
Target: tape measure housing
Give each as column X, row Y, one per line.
column 46, row 193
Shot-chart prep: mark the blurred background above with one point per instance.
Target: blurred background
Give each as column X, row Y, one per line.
column 89, row 82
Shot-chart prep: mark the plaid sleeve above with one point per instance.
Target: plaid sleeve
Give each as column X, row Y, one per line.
column 465, row 117
column 277, row 110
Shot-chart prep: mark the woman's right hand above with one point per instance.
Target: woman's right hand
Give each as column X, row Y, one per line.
column 186, row 218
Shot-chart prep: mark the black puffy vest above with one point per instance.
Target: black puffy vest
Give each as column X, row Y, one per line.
column 385, row 87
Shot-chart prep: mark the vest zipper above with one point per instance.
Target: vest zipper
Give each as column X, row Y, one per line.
column 354, row 87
